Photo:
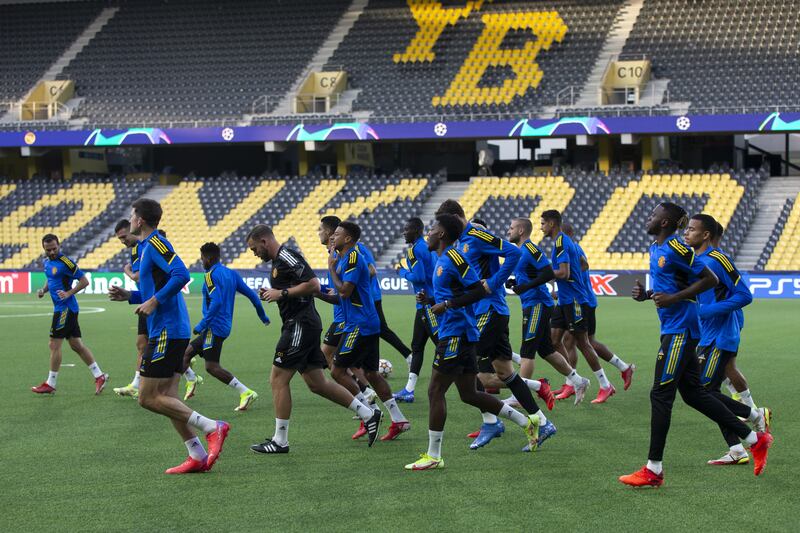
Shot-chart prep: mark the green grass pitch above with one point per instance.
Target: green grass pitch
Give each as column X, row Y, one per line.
column 74, row 461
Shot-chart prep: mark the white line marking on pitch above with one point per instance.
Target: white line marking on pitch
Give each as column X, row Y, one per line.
column 85, row 310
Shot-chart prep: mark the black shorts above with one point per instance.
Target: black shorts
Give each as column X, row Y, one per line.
column 208, row 346
column 65, row 325
column 334, row 334
column 493, row 343
column 455, row 356
column 298, row 347
column 536, row 332
column 163, row 357
column 358, row 351
column 712, row 365
column 141, row 328
column 677, row 350
column 590, row 316
column 572, row 317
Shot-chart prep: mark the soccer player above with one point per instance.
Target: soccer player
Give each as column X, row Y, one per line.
column 719, row 328
column 735, row 381
column 123, row 233
column 359, row 347
column 293, row 286
column 677, row 279
column 219, row 296
column 456, row 288
column 531, row 275
column 61, row 271
column 572, row 301
column 626, row 370
column 162, row 275
column 333, row 336
column 483, row 251
column 418, row 270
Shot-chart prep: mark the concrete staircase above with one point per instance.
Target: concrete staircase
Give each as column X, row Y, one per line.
column 623, row 25
column 449, row 189
column 771, row 200
column 321, row 58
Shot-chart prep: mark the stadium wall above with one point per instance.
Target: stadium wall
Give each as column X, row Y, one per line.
column 604, row 283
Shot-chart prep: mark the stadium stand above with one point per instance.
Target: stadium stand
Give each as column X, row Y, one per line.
column 786, row 252
column 191, row 60
column 75, row 211
column 401, row 79
column 30, row 42
column 720, row 53
column 775, row 236
column 223, row 209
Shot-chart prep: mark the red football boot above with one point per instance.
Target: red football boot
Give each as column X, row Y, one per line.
column 215, row 440
column 44, row 388
column 566, row 392
column 189, row 466
column 362, row 430
column 546, row 394
column 395, row 429
column 100, row 383
column 643, row 478
column 474, row 434
column 760, row 450
column 627, row 376
column 605, row 394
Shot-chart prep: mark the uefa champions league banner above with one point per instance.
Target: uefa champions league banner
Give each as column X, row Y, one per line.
column 361, row 131
column 604, row 283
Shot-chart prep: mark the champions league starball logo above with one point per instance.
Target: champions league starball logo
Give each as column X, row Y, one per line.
column 683, row 123
column 440, row 129
column 227, row 134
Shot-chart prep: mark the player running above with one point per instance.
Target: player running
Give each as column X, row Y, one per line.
column 61, row 271
column 531, row 275
column 418, row 270
column 219, row 296
column 677, row 279
column 162, row 275
column 719, row 328
column 293, row 285
column 483, row 250
column 456, row 288
column 359, row 348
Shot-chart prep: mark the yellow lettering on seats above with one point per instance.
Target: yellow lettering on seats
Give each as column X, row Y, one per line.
column 300, row 223
column 432, row 19
column 487, row 52
column 186, row 225
column 724, row 194
column 95, row 198
column 554, row 192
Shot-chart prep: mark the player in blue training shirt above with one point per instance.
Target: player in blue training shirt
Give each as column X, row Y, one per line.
column 417, row 269
column 719, row 327
column 531, row 275
column 456, row 287
column 483, row 252
column 219, row 296
column 735, row 381
column 386, row 333
column 590, row 315
column 573, row 304
column 359, row 347
column 162, row 275
column 61, row 271
column 677, row 278
column 333, row 336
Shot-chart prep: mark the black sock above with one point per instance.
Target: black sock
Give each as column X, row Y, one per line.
column 522, row 393
column 361, row 386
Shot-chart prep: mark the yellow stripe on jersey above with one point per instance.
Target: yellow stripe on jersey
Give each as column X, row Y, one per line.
column 210, row 283
column 160, row 246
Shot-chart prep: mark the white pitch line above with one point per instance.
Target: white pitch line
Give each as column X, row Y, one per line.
column 85, row 311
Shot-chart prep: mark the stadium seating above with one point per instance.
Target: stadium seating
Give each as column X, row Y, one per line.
column 720, row 53
column 786, row 252
column 224, row 209
column 393, row 83
column 188, row 60
column 33, row 36
column 75, row 211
